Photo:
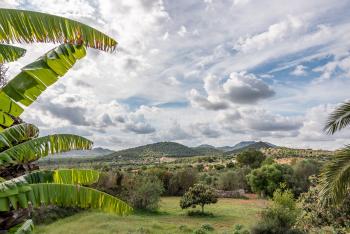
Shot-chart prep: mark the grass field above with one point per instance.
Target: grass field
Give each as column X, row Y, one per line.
column 170, row 219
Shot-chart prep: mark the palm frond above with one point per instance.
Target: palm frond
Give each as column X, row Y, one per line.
column 23, row 228
column 28, row 26
column 17, row 134
column 18, row 193
column 334, row 178
column 37, row 76
column 40, row 147
column 9, row 53
column 339, row 119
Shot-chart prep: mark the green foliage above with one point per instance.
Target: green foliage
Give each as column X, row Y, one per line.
column 40, row 147
column 280, row 216
column 23, row 228
column 316, row 217
column 50, row 214
column 239, row 229
column 143, row 192
column 335, row 176
column 10, row 53
column 199, row 194
column 252, row 158
column 207, row 227
column 233, row 180
column 266, row 179
column 302, row 170
column 182, row 180
column 17, row 134
column 339, row 119
column 20, row 26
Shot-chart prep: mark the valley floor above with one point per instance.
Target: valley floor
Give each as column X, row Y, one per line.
column 169, row 219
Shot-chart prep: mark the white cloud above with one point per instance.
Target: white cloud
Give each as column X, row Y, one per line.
column 299, row 70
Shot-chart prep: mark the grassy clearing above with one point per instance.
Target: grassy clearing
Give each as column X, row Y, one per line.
column 169, row 219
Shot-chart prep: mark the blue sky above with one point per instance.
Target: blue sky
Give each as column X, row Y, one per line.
column 200, row 72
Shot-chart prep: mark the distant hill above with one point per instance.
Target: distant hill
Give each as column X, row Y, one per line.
column 255, row 145
column 95, row 152
column 169, row 149
column 208, row 150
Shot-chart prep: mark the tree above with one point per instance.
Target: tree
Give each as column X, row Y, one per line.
column 266, row 179
column 199, row 194
column 252, row 158
column 20, row 145
column 335, row 182
column 182, row 180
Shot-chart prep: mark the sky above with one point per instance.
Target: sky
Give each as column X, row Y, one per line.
column 200, row 72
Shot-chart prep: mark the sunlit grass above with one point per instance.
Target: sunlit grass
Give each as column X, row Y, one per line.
column 169, row 219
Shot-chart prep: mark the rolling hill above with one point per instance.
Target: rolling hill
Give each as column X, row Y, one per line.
column 257, row 146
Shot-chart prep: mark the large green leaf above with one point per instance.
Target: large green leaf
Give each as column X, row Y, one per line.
column 18, row 193
column 29, row 26
column 9, row 53
column 64, row 176
column 76, row 176
column 17, row 134
column 40, row 147
column 37, row 76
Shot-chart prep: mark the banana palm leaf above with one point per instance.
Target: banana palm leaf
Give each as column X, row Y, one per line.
column 37, row 76
column 29, row 26
column 9, row 53
column 17, row 134
column 64, row 176
column 23, row 228
column 334, row 180
column 18, row 193
column 339, row 119
column 40, row 147
column 76, row 176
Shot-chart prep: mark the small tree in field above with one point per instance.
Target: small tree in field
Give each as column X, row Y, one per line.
column 199, row 194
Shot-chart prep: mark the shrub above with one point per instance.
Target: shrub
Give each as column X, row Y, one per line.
column 143, row 192
column 233, row 180
column 219, row 167
column 251, row 158
column 266, row 179
column 239, row 229
column 302, row 171
column 207, row 227
column 230, row 165
column 280, row 216
column 199, row 194
column 182, row 180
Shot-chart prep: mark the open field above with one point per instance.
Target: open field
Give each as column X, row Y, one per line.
column 227, row 212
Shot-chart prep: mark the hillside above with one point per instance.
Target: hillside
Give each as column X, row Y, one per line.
column 208, row 150
column 257, row 146
column 160, row 149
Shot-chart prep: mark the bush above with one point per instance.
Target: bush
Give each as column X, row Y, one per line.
column 233, row 180
column 219, row 167
column 143, row 192
column 50, row 214
column 266, row 179
column 239, row 229
column 199, row 194
column 302, row 171
column 251, row 158
column 280, row 216
column 182, row 180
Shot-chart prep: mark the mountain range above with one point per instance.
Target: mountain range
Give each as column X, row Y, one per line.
column 169, row 149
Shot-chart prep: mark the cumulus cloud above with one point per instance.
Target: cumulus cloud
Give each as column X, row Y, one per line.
column 299, row 70
column 239, row 88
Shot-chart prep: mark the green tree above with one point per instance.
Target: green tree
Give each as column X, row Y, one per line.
column 266, row 179
column 20, row 145
column 252, row 158
column 279, row 217
column 199, row 194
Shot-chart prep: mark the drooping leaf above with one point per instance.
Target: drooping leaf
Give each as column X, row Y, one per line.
column 338, row 119
column 23, row 228
column 334, row 180
column 9, row 53
column 17, row 134
column 64, row 176
column 76, row 176
column 18, row 193
column 37, row 76
column 7, row 106
column 28, row 26
column 40, row 147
